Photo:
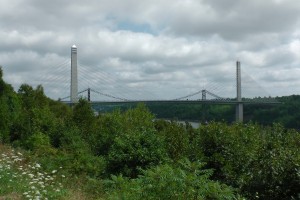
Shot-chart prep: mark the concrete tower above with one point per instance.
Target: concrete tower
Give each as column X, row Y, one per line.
column 74, row 79
column 239, row 106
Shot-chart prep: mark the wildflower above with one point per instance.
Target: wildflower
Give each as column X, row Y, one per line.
column 41, row 183
column 31, row 175
column 54, row 171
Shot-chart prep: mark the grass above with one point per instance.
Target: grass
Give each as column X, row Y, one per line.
column 22, row 179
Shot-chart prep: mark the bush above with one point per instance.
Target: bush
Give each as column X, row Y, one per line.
column 176, row 138
column 185, row 180
column 130, row 152
column 38, row 141
column 262, row 162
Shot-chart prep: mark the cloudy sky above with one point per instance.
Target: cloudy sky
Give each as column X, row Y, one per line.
column 153, row 48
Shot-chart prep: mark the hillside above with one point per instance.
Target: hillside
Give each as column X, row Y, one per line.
column 129, row 155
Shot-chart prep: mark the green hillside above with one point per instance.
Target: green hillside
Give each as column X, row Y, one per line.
column 52, row 151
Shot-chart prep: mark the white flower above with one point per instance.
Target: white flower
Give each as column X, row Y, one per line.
column 31, row 175
column 54, row 171
column 41, row 183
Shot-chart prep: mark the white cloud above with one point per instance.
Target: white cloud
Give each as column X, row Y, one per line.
column 167, row 48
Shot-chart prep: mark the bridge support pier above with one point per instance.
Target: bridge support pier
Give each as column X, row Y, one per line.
column 239, row 112
column 239, row 106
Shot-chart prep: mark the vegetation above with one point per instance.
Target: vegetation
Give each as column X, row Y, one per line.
column 286, row 113
column 130, row 155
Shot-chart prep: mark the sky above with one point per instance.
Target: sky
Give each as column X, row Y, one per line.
column 153, row 49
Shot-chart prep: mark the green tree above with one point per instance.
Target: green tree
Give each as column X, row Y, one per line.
column 185, row 180
column 84, row 118
column 176, row 138
column 10, row 110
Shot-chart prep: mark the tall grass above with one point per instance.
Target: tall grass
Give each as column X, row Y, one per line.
column 26, row 180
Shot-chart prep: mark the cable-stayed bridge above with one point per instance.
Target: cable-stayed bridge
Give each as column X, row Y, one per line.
column 101, row 87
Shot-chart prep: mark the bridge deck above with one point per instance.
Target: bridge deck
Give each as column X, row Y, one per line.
column 222, row 102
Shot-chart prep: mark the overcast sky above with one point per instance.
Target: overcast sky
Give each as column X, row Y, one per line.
column 153, row 48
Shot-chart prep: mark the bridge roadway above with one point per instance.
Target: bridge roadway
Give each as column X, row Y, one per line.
column 221, row 102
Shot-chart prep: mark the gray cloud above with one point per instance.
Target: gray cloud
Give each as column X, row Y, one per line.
column 166, row 48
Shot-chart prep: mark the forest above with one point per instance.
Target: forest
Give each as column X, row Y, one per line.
column 286, row 112
column 130, row 154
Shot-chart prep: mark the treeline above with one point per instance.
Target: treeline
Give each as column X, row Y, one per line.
column 286, row 113
column 130, row 155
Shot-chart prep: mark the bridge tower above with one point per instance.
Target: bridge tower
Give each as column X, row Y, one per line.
column 239, row 106
column 74, row 78
column 89, row 94
column 203, row 95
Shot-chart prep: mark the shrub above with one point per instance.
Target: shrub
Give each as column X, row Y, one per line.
column 262, row 162
column 185, row 180
column 129, row 152
column 175, row 137
column 38, row 141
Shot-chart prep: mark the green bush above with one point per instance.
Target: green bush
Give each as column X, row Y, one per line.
column 262, row 162
column 176, row 138
column 38, row 141
column 130, row 152
column 185, row 180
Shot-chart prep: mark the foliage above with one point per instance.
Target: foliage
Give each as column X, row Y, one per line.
column 287, row 113
column 258, row 161
column 20, row 178
column 9, row 109
column 83, row 115
column 138, row 150
column 184, row 180
column 145, row 156
column 136, row 145
column 176, row 138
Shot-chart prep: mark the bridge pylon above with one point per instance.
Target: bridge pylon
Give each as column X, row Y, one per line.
column 89, row 94
column 74, row 78
column 239, row 106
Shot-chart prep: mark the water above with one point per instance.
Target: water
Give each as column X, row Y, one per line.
column 193, row 123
